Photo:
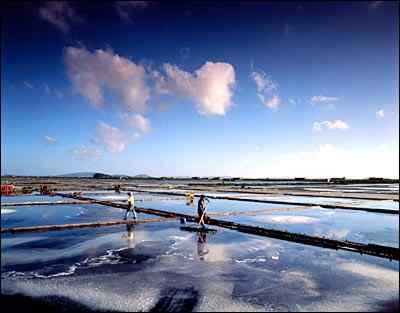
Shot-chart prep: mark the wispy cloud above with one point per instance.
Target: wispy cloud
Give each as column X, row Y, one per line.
column 336, row 124
column 294, row 101
column 323, row 100
column 272, row 102
column 90, row 72
column 266, row 89
column 375, row 4
column 210, row 87
column 380, row 114
column 84, row 152
column 60, row 14
column 288, row 29
column 54, row 92
column 28, row 85
column 125, row 9
column 50, row 140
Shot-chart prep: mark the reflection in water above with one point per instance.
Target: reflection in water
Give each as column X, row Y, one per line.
column 129, row 236
column 202, row 248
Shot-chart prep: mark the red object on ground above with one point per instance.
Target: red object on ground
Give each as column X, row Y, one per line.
column 7, row 189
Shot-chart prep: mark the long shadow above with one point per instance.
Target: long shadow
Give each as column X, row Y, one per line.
column 22, row 303
column 177, row 300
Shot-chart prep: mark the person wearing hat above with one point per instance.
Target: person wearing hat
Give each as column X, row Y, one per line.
column 131, row 206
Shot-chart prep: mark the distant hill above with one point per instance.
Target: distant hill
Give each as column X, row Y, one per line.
column 78, row 174
column 100, row 175
column 141, row 176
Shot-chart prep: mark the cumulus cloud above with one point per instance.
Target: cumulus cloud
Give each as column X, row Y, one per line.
column 50, row 140
column 126, row 8
column 28, row 85
column 323, row 99
column 137, row 121
column 60, row 14
column 209, row 87
column 86, row 153
column 110, row 137
column 266, row 89
column 336, row 124
column 380, row 114
column 90, row 72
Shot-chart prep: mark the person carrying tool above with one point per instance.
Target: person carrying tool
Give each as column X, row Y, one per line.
column 202, row 210
column 131, row 206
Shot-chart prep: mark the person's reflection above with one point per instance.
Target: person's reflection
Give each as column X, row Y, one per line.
column 129, row 236
column 202, row 249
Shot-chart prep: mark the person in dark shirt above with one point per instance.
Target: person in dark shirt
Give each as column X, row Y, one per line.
column 202, row 210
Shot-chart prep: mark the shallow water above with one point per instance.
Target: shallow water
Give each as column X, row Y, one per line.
column 359, row 203
column 157, row 266
column 37, row 215
column 160, row 267
column 364, row 227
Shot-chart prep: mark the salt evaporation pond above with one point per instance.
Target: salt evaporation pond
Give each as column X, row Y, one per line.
column 163, row 268
column 157, row 266
column 360, row 203
column 364, row 227
column 38, row 215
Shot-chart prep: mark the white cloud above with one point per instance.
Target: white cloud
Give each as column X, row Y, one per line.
column 60, row 14
column 266, row 89
column 28, row 85
column 125, row 8
column 263, row 82
column 323, row 99
column 209, row 87
column 137, row 121
column 272, row 103
column 50, row 140
column 110, row 137
column 86, row 153
column 336, row 124
column 90, row 72
column 380, row 114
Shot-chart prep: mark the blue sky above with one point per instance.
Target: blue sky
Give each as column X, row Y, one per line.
column 226, row 89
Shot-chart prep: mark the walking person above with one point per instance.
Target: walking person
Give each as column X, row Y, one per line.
column 202, row 210
column 131, row 206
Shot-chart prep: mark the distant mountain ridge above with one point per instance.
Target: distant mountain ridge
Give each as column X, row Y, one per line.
column 78, row 174
column 91, row 174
